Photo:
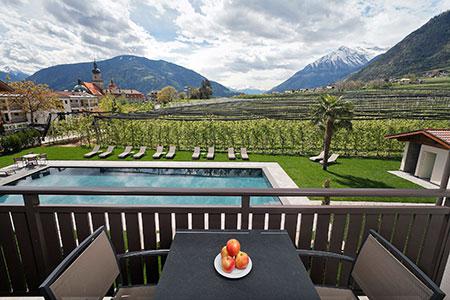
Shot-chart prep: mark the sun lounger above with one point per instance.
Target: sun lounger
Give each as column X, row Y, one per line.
column 231, row 154
column 317, row 157
column 210, row 154
column 332, row 159
column 171, row 153
column 126, row 152
column 196, row 154
column 107, row 152
column 93, row 152
column 244, row 154
column 158, row 152
column 140, row 153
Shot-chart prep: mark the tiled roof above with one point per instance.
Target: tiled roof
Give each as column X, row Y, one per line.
column 73, row 94
column 441, row 136
column 4, row 87
column 95, row 90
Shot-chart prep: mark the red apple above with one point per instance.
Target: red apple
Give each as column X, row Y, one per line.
column 233, row 247
column 242, row 260
column 224, row 252
column 228, row 264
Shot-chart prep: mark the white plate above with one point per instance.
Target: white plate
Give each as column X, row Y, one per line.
column 236, row 273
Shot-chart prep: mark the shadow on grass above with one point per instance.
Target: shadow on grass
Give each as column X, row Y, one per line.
column 358, row 182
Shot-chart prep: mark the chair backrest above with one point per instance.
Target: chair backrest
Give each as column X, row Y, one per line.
column 128, row 148
column 197, row 149
column 321, row 154
column 244, row 150
column 333, row 156
column 110, row 148
column 96, row 148
column 230, row 150
column 210, row 149
column 172, row 148
column 86, row 273
column 159, row 149
column 142, row 149
column 383, row 272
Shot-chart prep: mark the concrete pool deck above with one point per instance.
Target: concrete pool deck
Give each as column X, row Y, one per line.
column 277, row 177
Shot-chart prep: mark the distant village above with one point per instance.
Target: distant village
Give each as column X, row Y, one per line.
column 83, row 97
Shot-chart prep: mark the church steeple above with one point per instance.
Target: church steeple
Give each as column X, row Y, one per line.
column 97, row 76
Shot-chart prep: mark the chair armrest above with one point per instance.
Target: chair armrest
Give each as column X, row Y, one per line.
column 144, row 253
column 325, row 254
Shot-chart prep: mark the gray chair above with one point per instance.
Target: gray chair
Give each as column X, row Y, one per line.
column 140, row 153
column 196, row 154
column 19, row 162
column 93, row 152
column 211, row 153
column 231, row 154
column 91, row 269
column 244, row 154
column 318, row 157
column 126, row 152
column 381, row 271
column 42, row 158
column 108, row 152
column 171, row 153
column 332, row 160
column 159, row 152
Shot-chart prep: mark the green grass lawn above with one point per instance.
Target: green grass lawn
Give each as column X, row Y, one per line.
column 348, row 173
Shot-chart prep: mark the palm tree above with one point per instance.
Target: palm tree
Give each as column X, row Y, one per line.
column 330, row 114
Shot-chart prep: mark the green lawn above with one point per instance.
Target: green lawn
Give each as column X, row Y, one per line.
column 348, row 173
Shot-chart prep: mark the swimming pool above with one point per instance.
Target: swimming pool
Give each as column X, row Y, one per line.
column 145, row 177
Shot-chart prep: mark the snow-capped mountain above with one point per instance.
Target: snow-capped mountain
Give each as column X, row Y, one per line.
column 14, row 74
column 330, row 68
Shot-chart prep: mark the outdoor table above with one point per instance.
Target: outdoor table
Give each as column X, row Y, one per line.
column 277, row 273
column 32, row 157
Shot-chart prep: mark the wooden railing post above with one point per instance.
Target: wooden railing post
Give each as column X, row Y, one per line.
column 444, row 182
column 37, row 234
column 245, row 205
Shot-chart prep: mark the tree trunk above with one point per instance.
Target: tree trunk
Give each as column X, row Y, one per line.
column 327, row 142
column 31, row 117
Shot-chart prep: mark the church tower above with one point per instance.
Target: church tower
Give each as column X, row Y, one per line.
column 97, row 76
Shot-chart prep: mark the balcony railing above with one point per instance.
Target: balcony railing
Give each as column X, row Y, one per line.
column 35, row 237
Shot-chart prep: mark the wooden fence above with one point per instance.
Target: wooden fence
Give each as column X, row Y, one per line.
column 34, row 238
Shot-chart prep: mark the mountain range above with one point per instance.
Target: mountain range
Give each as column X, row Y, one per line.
column 328, row 69
column 127, row 71
column 13, row 74
column 425, row 49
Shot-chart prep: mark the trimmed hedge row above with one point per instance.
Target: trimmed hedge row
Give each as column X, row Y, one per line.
column 19, row 140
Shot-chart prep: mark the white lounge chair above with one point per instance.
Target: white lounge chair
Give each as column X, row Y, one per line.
column 107, row 152
column 196, row 154
column 140, row 153
column 211, row 153
column 244, row 154
column 332, row 159
column 171, row 153
column 126, row 152
column 231, row 154
column 93, row 152
column 317, row 157
column 159, row 152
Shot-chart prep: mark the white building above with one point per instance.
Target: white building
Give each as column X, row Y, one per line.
column 426, row 153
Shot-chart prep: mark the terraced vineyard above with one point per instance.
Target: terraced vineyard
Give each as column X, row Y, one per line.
column 429, row 101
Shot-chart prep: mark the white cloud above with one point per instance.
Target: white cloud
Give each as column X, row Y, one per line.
column 256, row 43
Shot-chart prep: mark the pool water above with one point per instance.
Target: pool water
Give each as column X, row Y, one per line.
column 145, row 177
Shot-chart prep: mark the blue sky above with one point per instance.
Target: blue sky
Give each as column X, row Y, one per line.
column 252, row 43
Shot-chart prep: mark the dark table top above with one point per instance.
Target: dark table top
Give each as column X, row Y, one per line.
column 277, row 273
